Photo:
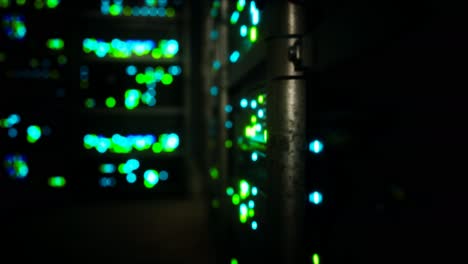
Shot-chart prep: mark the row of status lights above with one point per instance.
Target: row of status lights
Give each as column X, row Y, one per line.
column 246, row 208
column 17, row 167
column 123, row 49
column 151, row 177
column 315, row 258
column 38, row 4
column 152, row 8
column 245, row 30
column 255, row 134
column 33, row 132
column 14, row 26
column 126, row 144
column 132, row 98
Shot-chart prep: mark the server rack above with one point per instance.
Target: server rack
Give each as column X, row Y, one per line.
column 111, row 98
column 246, row 55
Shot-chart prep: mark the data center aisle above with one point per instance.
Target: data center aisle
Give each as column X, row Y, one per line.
column 164, row 231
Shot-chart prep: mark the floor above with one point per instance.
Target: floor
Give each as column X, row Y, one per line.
column 162, row 231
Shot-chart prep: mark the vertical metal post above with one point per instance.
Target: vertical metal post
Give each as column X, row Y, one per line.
column 286, row 127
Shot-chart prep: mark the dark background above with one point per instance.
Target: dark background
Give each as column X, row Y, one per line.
column 390, row 80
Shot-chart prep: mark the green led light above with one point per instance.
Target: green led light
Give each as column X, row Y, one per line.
column 132, row 98
column 167, row 79
column 4, row 3
column 243, row 213
column 123, row 169
column 240, row 5
column 127, row 11
column 235, row 199
column 57, row 182
column 261, row 99
column 20, row 2
column 315, row 259
column 253, row 34
column 34, row 63
column 229, row 191
column 108, row 168
column 157, row 147
column 215, row 203
column 156, row 53
column 84, row 84
column 170, row 12
column 244, row 189
column 90, row 103
column 251, row 213
column 55, row 44
column 38, row 4
column 115, row 10
column 89, row 141
column 253, row 119
column 62, row 59
column 34, row 134
column 228, row 143
column 52, row 3
column 234, row 261
column 110, row 102
column 214, row 173
column 151, row 178
column 16, row 166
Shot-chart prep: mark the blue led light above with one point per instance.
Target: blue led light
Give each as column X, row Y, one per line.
column 316, row 146
column 234, row 57
column 254, row 156
column 14, row 119
column 228, row 108
column 174, row 70
column 251, row 204
column 133, row 164
column 163, row 175
column 244, row 103
column 16, row 166
column 131, row 178
column 254, row 225
column 172, row 47
column 214, row 90
column 228, row 124
column 131, row 70
column 216, row 64
column 151, row 176
column 315, row 198
column 214, row 34
column 107, row 182
column 12, row 132
column 261, row 113
column 254, row 191
column 253, row 104
column 172, row 141
column 254, row 13
column 243, row 31
column 234, row 17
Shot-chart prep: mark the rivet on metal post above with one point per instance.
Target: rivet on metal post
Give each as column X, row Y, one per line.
column 295, row 55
